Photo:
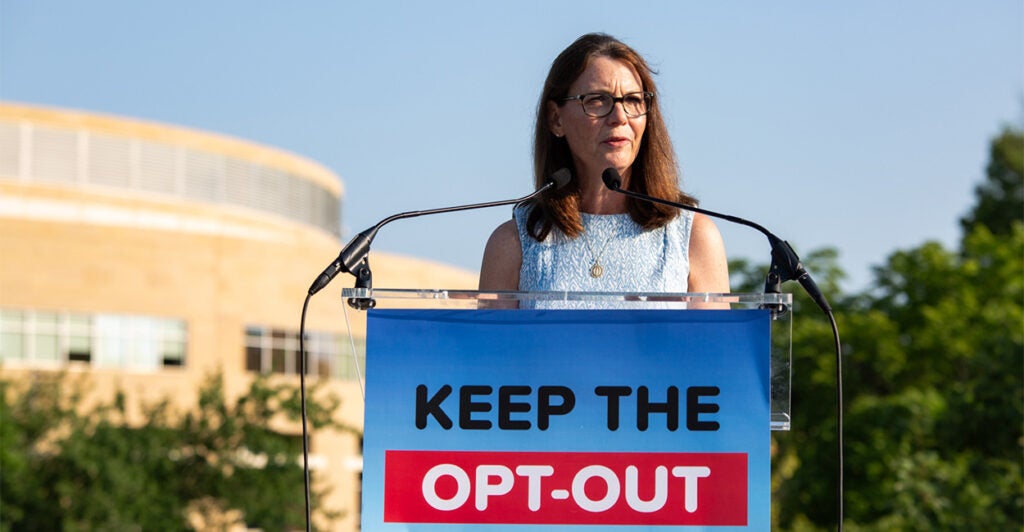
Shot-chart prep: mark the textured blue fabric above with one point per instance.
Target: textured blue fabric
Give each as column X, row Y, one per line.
column 634, row 260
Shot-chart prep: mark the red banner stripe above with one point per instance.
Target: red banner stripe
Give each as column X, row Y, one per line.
column 565, row 488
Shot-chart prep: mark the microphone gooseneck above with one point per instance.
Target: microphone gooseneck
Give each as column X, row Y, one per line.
column 353, row 258
column 785, row 266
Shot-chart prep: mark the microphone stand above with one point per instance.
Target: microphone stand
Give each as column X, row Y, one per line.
column 354, row 258
column 785, row 265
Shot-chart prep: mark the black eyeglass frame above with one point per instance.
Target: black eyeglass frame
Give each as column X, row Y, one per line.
column 647, row 95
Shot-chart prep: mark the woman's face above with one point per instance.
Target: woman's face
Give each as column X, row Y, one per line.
column 599, row 143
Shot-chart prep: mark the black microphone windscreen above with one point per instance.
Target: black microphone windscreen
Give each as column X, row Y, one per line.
column 561, row 177
column 611, row 178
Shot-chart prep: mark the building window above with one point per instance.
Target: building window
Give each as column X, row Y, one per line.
column 52, row 338
column 269, row 350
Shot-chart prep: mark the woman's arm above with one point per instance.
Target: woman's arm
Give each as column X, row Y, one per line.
column 503, row 256
column 709, row 268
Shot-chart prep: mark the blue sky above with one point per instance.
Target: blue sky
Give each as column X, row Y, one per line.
column 861, row 126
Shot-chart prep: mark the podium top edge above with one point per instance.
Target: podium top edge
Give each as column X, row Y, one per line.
column 512, row 295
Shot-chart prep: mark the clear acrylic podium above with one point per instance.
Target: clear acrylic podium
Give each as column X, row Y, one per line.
column 517, row 408
column 779, row 306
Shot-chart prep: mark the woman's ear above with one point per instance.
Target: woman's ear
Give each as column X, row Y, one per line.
column 555, row 120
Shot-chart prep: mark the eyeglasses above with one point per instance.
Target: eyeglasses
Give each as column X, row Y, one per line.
column 599, row 104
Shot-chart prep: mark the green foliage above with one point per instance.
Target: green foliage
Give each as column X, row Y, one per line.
column 1000, row 198
column 954, row 379
column 90, row 469
column 933, row 366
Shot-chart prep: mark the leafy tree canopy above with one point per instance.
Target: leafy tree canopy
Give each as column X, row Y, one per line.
column 933, row 360
column 217, row 465
column 1000, row 197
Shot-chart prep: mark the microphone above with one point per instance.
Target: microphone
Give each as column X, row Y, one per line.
column 353, row 257
column 785, row 266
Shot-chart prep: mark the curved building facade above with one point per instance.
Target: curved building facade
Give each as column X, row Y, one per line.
column 151, row 256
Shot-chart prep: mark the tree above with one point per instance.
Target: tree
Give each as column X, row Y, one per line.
column 1000, row 198
column 933, row 359
column 66, row 469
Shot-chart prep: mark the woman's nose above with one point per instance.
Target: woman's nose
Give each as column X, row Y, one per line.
column 618, row 114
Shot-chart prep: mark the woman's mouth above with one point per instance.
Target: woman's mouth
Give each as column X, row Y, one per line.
column 616, row 142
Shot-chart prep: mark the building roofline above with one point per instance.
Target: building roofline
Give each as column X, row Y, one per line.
column 172, row 134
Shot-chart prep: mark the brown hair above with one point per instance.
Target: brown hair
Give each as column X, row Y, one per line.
column 654, row 171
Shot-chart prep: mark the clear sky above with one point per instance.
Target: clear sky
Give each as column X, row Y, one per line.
column 862, row 126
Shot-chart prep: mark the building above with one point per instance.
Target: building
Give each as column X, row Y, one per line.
column 150, row 256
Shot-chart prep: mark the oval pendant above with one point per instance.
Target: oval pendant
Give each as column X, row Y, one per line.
column 596, row 270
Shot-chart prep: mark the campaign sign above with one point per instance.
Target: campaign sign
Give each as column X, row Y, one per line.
column 539, row 419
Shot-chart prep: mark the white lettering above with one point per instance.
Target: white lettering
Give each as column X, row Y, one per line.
column 533, row 474
column 484, row 487
column 498, row 480
column 690, row 474
column 430, row 487
column 657, row 502
column 579, row 492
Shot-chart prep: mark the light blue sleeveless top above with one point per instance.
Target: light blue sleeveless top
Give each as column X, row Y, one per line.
column 633, row 260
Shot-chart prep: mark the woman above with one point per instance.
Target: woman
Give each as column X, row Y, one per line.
column 599, row 110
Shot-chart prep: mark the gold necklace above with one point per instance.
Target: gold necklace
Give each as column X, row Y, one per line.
column 596, row 270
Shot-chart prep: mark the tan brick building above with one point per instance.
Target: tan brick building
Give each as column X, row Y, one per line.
column 150, row 256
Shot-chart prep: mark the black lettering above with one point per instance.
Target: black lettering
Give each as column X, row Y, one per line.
column 506, row 407
column 694, row 407
column 613, row 393
column 545, row 409
column 644, row 408
column 467, row 407
column 432, row 407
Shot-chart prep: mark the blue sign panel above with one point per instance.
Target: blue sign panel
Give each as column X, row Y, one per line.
column 602, row 419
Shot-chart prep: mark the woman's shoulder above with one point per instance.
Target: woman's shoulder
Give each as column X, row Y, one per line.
column 702, row 226
column 502, row 258
column 704, row 235
column 709, row 269
column 506, row 233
